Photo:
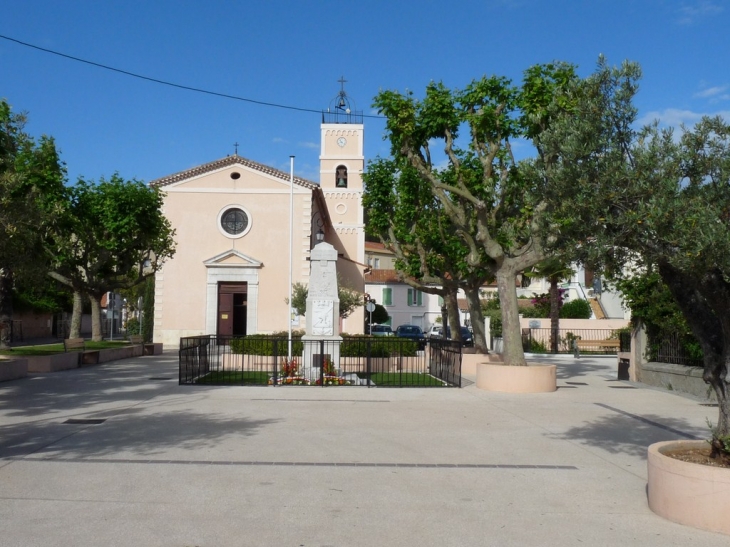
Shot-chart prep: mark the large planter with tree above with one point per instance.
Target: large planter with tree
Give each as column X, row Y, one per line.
column 686, row 492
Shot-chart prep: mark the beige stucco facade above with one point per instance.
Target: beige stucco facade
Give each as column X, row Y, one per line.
column 256, row 258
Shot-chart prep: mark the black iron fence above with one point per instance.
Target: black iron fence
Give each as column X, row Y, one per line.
column 353, row 361
column 603, row 341
column 678, row 349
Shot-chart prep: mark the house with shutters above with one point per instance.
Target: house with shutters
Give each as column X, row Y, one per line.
column 240, row 224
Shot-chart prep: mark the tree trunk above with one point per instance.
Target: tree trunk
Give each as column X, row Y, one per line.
column 148, row 306
column 6, row 307
column 477, row 319
column 554, row 315
column 704, row 303
column 96, row 333
column 75, row 329
column 511, row 332
column 452, row 308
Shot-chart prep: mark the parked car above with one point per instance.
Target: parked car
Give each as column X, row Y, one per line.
column 467, row 338
column 435, row 331
column 381, row 330
column 412, row 332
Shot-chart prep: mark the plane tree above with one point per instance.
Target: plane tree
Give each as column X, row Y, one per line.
column 31, row 183
column 113, row 235
column 512, row 212
column 430, row 256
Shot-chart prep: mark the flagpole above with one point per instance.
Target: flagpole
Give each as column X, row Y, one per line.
column 291, row 244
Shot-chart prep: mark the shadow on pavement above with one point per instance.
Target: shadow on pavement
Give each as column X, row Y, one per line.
column 631, row 434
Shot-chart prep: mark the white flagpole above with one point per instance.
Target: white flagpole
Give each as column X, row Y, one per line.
column 291, row 243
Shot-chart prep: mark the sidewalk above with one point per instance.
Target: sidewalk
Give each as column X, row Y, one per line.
column 339, row 466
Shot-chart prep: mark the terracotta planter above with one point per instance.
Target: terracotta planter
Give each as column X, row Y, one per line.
column 688, row 493
column 509, row 379
column 469, row 361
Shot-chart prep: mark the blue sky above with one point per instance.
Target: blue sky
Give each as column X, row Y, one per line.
column 293, row 53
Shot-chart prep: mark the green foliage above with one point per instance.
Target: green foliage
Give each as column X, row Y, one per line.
column 495, row 321
column 498, row 212
column 113, row 235
column 720, row 441
column 31, row 179
column 357, row 346
column 299, row 298
column 265, row 344
column 576, row 309
column 41, row 294
column 350, row 299
column 650, row 301
column 535, row 346
column 132, row 326
column 380, row 315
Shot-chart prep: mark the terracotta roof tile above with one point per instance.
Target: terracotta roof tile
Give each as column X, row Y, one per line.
column 376, row 246
column 382, row 276
column 226, row 162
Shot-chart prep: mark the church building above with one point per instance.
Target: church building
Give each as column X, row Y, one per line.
column 230, row 273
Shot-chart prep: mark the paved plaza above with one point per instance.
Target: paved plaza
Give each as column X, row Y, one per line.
column 189, row 466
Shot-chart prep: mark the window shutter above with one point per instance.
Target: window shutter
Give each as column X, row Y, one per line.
column 410, row 297
column 387, row 297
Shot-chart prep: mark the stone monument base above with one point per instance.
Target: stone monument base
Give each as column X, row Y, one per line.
column 316, row 350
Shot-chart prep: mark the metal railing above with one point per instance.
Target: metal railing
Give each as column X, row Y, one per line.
column 353, row 361
column 605, row 341
column 674, row 348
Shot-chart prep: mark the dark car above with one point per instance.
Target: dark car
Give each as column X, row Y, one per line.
column 412, row 332
column 467, row 338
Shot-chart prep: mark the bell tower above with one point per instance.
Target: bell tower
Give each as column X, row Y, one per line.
column 342, row 161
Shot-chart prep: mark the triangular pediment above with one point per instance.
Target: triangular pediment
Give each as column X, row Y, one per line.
column 234, row 259
column 198, row 175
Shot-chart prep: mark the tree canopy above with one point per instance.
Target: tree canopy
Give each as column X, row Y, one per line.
column 31, row 183
column 430, row 255
column 669, row 211
column 113, row 236
column 515, row 213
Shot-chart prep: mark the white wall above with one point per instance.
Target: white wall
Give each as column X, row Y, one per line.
column 400, row 312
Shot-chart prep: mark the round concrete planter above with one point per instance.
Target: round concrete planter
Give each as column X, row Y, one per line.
column 469, row 361
column 688, row 493
column 509, row 379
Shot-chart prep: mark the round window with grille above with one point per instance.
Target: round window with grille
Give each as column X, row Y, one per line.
column 234, row 221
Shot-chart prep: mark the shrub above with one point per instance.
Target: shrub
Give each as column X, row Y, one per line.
column 263, row 344
column 357, row 346
column 133, row 326
column 495, row 321
column 576, row 309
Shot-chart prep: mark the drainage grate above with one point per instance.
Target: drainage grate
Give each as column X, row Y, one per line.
column 709, row 404
column 567, row 387
column 88, row 421
column 161, row 378
column 577, row 383
column 621, row 387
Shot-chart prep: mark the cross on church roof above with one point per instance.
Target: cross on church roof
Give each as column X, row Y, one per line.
column 235, row 144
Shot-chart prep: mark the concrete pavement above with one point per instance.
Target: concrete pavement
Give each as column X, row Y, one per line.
column 338, row 466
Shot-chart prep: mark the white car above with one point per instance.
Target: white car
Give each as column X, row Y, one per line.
column 435, row 331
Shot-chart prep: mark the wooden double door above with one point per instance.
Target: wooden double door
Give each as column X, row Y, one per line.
column 232, row 309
